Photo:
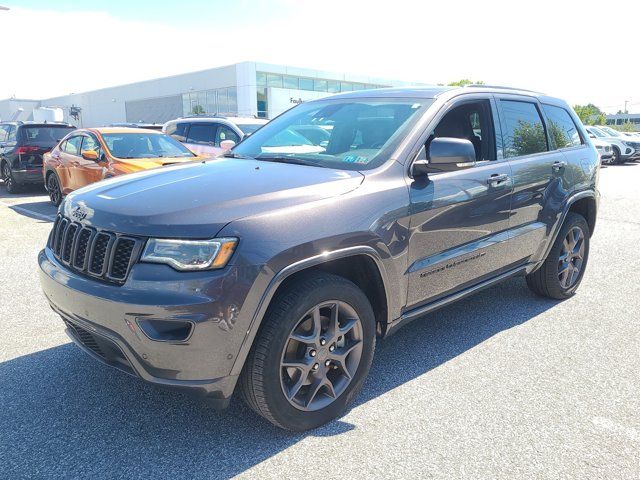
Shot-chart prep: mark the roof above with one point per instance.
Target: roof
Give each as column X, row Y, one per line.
column 102, row 130
column 218, row 118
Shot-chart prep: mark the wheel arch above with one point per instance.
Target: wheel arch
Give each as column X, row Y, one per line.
column 361, row 265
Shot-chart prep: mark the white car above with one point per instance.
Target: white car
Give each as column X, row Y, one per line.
column 604, row 151
column 624, row 149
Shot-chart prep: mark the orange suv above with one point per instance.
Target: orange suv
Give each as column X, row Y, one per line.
column 89, row 155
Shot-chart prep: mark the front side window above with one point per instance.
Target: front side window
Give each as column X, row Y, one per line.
column 612, row 132
column 357, row 134
column 144, row 145
column 72, row 145
column 89, row 143
column 225, row 133
column 13, row 131
column 562, row 131
column 524, row 132
column 202, row 133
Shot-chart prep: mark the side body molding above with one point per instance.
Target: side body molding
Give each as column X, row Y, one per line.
column 286, row 272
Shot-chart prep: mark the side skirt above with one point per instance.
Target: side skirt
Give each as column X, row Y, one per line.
column 416, row 313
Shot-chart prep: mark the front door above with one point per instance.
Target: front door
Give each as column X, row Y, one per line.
column 88, row 171
column 460, row 219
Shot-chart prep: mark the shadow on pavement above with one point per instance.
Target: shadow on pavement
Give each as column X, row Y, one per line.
column 63, row 414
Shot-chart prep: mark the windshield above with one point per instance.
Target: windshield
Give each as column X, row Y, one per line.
column 144, row 145
column 249, row 127
column 611, row 131
column 349, row 134
column 45, row 136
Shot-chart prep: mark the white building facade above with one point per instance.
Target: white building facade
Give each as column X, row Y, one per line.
column 246, row 89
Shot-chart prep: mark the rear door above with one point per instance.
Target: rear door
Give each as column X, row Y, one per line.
column 539, row 176
column 69, row 161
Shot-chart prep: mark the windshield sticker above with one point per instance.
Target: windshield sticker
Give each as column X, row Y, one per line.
column 356, row 159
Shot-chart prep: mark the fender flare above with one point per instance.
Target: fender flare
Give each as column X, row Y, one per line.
column 560, row 221
column 285, row 273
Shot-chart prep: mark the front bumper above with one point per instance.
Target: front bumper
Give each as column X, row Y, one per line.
column 106, row 322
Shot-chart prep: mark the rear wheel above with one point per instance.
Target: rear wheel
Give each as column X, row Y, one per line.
column 562, row 271
column 53, row 187
column 312, row 354
column 9, row 181
column 616, row 157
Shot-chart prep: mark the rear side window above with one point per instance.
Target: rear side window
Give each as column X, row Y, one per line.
column 4, row 132
column 202, row 133
column 72, row 145
column 562, row 130
column 44, row 136
column 178, row 131
column 524, row 131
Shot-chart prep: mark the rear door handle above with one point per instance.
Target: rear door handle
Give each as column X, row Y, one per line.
column 497, row 178
column 557, row 166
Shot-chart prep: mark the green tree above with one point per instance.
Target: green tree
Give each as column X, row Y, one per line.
column 197, row 110
column 528, row 138
column 590, row 114
column 465, row 81
column 625, row 127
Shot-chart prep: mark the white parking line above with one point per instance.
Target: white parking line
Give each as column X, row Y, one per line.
column 28, row 212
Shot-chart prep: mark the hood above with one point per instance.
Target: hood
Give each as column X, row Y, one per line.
column 196, row 200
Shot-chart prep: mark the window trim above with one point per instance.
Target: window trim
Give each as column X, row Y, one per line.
column 580, row 134
column 522, row 99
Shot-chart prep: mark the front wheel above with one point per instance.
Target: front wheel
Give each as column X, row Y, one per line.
column 562, row 271
column 312, row 354
column 616, row 158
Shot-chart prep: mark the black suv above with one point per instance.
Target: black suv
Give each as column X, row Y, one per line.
column 22, row 145
column 272, row 271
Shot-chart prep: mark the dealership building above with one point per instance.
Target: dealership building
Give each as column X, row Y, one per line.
column 247, row 88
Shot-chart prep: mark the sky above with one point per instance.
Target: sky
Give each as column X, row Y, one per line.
column 582, row 51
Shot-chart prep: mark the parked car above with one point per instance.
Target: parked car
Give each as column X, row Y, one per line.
column 273, row 273
column 624, row 149
column 204, row 134
column 89, row 155
column 147, row 126
column 22, row 145
column 604, row 150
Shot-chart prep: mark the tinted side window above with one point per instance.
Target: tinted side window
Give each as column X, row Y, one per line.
column 225, row 133
column 178, row 131
column 72, row 145
column 202, row 133
column 12, row 134
column 562, row 131
column 90, row 143
column 524, row 131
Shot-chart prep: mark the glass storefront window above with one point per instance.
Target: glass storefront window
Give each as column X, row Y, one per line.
column 262, row 102
column 233, row 99
column 261, row 79
column 333, row 86
column 306, row 84
column 358, row 86
column 346, row 86
column 274, row 80
column 320, row 85
column 290, row 82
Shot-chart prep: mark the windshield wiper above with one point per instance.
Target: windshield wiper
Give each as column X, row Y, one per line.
column 285, row 159
column 237, row 155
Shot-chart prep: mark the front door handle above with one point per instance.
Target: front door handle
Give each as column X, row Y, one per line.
column 557, row 166
column 496, row 179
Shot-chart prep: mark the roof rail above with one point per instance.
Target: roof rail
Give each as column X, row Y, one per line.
column 499, row 87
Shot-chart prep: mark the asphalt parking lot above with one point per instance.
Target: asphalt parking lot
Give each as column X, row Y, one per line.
column 501, row 385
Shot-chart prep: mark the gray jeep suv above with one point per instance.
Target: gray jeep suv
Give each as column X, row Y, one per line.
column 274, row 270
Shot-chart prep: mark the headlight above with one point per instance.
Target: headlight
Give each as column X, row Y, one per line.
column 190, row 254
column 628, row 144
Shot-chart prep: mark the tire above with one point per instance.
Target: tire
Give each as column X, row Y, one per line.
column 53, row 188
column 265, row 379
column 552, row 278
column 616, row 157
column 10, row 183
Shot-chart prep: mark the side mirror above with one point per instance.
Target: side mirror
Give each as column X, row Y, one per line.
column 445, row 155
column 591, row 135
column 90, row 155
column 227, row 144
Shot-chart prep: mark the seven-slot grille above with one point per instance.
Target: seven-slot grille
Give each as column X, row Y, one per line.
column 98, row 253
